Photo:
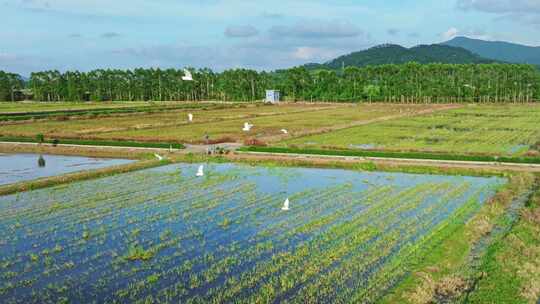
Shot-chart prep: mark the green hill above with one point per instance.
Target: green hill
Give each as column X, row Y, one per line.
column 396, row 54
column 498, row 50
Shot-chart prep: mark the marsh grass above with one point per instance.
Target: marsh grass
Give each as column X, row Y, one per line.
column 455, row 273
column 512, row 264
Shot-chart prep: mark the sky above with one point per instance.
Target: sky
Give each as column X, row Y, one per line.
column 83, row 35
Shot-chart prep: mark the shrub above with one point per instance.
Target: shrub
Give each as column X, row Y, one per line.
column 221, row 140
column 62, row 117
column 255, row 142
column 137, row 252
column 40, row 138
column 533, row 153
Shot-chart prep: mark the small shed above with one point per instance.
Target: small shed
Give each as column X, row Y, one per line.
column 272, row 96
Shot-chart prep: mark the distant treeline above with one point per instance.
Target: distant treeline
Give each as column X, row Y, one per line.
column 409, row 83
column 9, row 84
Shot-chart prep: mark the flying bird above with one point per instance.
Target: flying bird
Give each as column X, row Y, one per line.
column 159, row 157
column 187, row 76
column 284, row 131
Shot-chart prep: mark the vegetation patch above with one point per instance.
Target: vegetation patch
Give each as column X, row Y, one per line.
column 389, row 154
column 512, row 264
column 452, row 271
column 493, row 130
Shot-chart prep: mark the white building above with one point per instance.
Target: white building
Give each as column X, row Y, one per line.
column 272, row 96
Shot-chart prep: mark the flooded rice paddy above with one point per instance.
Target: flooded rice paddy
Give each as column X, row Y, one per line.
column 163, row 235
column 22, row 167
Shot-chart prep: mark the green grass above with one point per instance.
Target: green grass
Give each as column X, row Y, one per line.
column 501, row 130
column 389, row 154
column 448, row 272
column 107, row 143
column 512, row 265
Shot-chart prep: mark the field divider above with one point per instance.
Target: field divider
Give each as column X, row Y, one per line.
column 522, row 162
column 93, row 143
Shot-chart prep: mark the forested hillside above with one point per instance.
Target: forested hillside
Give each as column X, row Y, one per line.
column 499, row 50
column 396, row 54
column 411, row 82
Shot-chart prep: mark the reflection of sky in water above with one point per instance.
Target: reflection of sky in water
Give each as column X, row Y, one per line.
column 140, row 207
column 290, row 180
column 518, row 148
column 22, row 167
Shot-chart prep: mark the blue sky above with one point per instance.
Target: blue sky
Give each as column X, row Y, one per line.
column 220, row 34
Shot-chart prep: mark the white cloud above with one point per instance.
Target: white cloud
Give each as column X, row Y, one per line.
column 314, row 53
column 450, row 33
column 474, row 33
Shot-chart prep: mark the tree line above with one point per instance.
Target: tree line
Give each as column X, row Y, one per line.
column 406, row 83
column 9, row 84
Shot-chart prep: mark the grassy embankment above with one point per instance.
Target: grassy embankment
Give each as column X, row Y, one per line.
column 450, row 272
column 398, row 155
column 512, row 264
column 86, row 142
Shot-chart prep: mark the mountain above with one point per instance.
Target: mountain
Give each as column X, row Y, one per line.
column 396, row 54
column 498, row 50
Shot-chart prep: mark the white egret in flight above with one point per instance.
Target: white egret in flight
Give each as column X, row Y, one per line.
column 187, row 75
